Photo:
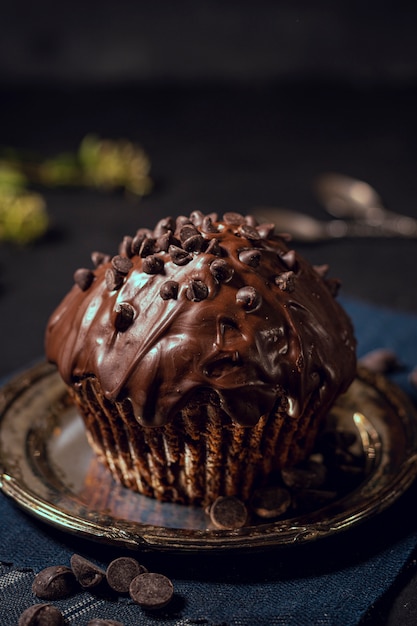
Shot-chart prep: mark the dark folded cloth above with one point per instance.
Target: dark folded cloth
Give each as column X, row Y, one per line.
column 330, row 581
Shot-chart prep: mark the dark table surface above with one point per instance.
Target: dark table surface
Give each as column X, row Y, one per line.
column 213, row 147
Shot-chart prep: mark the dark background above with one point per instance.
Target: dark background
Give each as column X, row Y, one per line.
column 237, row 103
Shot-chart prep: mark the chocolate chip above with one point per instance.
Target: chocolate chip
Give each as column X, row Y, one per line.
column 233, row 218
column 207, row 225
column 113, row 279
column 250, row 232
column 125, row 247
column 148, row 246
column 125, row 314
column 137, row 241
column 311, row 476
column 289, row 259
column 250, row 256
column 153, row 264
column 151, row 591
column 187, row 231
column 197, row 291
column 195, row 243
column 228, row 512
column 87, row 573
column 285, row 281
column 122, row 571
column 249, row 298
column 83, row 278
column 197, row 217
column 99, row 258
column 265, row 230
column 380, row 361
column 270, row 502
column 164, row 241
column 321, row 270
column 103, row 622
column 333, row 285
column 214, row 247
column 41, row 615
column 221, row 270
column 178, row 255
column 121, row 264
column 169, row 290
column 164, row 225
column 251, row 220
column 181, row 221
column 54, row 582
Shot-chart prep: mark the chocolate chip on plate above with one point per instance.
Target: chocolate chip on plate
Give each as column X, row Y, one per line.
column 41, row 615
column 54, row 582
column 151, row 591
column 228, row 513
column 88, row 574
column 270, row 502
column 122, row 571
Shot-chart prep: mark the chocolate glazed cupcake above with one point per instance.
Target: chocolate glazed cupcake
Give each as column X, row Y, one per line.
column 202, row 357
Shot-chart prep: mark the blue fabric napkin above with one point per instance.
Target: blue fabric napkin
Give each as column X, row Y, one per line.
column 332, row 581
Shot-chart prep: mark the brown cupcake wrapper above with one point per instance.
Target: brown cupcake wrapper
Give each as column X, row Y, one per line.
column 199, row 455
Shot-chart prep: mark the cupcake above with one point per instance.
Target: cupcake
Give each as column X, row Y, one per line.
column 203, row 356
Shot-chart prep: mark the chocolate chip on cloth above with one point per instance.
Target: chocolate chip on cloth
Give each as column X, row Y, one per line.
column 122, row 571
column 41, row 615
column 103, row 622
column 87, row 573
column 151, row 591
column 54, row 582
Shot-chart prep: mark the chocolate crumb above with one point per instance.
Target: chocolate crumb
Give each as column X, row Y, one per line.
column 197, row 291
column 122, row 571
column 250, row 256
column 54, row 582
column 125, row 314
column 113, row 279
column 151, row 591
column 41, row 615
column 87, row 573
column 285, row 281
column 121, row 264
column 228, row 513
column 153, row 264
column 83, row 278
column 249, row 298
column 169, row 290
column 178, row 255
column 221, row 270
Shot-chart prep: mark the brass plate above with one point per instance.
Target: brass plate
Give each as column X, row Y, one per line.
column 47, row 468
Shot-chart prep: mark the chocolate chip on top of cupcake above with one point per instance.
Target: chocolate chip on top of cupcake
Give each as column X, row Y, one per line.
column 203, row 356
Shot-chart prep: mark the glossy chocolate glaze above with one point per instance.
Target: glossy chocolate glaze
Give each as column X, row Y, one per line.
column 203, row 303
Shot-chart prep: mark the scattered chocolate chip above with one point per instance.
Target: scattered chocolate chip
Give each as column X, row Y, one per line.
column 121, row 264
column 285, row 281
column 113, row 279
column 270, row 502
column 228, row 513
column 125, row 314
column 197, row 291
column 178, row 255
column 289, row 259
column 122, row 571
column 87, row 573
column 197, row 217
column 164, row 225
column 250, row 256
column 83, row 278
column 41, row 615
column 125, row 247
column 99, row 258
column 322, row 270
column 207, row 225
column 380, row 361
column 233, row 218
column 221, row 270
column 249, row 298
column 103, row 622
column 169, row 290
column 310, row 476
column 54, row 582
column 250, row 232
column 147, row 247
column 153, row 264
column 151, row 591
column 195, row 243
column 265, row 230
column 214, row 247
